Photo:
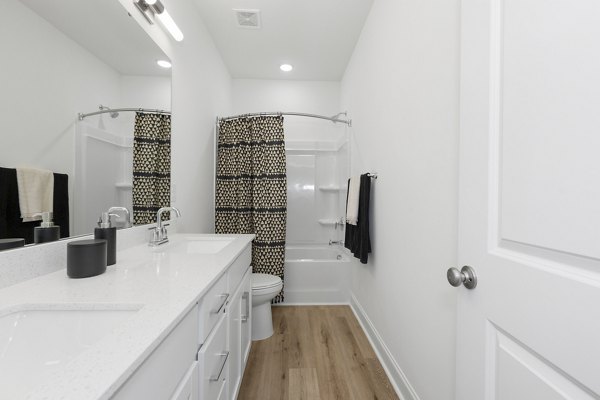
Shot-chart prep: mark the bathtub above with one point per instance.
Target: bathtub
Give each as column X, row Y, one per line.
column 315, row 254
column 316, row 274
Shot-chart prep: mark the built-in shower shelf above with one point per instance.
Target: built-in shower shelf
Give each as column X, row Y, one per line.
column 329, row 222
column 331, row 188
column 124, row 185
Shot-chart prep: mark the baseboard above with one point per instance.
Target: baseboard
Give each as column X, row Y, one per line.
column 288, row 303
column 395, row 374
column 315, row 297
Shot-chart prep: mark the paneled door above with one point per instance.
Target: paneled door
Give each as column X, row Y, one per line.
column 529, row 217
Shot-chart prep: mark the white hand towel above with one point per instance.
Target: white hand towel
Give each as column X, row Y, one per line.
column 353, row 196
column 36, row 192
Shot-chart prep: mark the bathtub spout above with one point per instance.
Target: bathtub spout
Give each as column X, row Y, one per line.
column 332, row 242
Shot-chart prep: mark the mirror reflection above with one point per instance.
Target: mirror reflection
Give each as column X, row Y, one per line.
column 85, row 118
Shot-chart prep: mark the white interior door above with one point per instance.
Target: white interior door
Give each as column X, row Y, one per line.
column 530, row 200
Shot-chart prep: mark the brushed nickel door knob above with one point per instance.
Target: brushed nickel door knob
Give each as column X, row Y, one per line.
column 466, row 276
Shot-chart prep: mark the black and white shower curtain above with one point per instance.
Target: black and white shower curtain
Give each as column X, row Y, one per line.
column 251, row 189
column 151, row 166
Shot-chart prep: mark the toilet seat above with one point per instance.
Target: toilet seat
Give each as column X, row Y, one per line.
column 264, row 281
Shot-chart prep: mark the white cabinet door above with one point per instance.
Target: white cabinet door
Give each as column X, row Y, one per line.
column 240, row 332
column 246, row 318
column 213, row 360
column 188, row 387
column 529, row 217
column 160, row 374
column 234, row 315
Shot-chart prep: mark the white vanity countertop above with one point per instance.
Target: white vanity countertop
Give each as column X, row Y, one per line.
column 165, row 283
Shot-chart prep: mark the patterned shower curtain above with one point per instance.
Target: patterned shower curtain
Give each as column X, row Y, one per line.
column 151, row 166
column 251, row 190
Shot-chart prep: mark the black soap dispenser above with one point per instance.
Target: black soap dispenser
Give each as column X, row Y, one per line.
column 107, row 232
column 47, row 231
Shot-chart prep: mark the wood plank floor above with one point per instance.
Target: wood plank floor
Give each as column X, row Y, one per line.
column 316, row 353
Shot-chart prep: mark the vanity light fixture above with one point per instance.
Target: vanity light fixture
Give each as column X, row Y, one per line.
column 164, row 63
column 286, row 67
column 151, row 8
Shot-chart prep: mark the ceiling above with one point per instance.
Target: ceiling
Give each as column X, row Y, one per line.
column 106, row 30
column 317, row 37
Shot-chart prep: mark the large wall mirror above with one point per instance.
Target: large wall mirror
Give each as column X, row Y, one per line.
column 65, row 57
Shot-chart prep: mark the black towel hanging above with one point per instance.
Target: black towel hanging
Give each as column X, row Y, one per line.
column 357, row 237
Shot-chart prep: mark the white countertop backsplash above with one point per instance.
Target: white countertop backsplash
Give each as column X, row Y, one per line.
column 163, row 285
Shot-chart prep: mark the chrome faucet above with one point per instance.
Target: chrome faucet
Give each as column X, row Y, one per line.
column 332, row 242
column 159, row 232
column 128, row 223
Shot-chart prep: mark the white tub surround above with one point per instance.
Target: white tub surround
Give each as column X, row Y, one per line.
column 156, row 288
column 316, row 274
column 319, row 253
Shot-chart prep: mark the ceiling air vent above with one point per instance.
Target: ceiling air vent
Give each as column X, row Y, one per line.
column 247, row 18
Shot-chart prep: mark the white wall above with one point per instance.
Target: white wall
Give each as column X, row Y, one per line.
column 46, row 80
column 401, row 90
column 201, row 90
column 152, row 92
column 255, row 95
column 315, row 97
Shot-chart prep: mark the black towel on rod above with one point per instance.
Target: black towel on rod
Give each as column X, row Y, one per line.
column 357, row 238
column 11, row 223
column 61, row 204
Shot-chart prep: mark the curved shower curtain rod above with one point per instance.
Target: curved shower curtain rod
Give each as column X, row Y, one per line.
column 333, row 119
column 104, row 110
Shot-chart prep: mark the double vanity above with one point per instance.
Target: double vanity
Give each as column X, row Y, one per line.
column 165, row 322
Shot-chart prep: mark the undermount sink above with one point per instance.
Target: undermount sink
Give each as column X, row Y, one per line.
column 35, row 341
column 202, row 245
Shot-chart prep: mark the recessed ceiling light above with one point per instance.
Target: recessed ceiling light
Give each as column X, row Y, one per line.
column 286, row 67
column 164, row 63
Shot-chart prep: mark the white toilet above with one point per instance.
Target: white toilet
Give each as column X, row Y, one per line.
column 264, row 288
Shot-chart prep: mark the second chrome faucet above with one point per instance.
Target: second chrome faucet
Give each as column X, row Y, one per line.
column 159, row 232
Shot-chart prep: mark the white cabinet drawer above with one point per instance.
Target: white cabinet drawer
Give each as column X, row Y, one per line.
column 212, row 307
column 212, row 362
column 238, row 269
column 188, row 387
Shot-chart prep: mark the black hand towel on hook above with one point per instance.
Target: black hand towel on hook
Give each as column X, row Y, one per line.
column 357, row 238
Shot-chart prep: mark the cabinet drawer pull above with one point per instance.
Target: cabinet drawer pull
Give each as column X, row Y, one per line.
column 225, row 356
column 225, row 296
column 246, row 297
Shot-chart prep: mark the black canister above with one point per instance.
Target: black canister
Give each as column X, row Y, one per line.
column 45, row 235
column 11, row 243
column 110, row 235
column 47, row 231
column 86, row 258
